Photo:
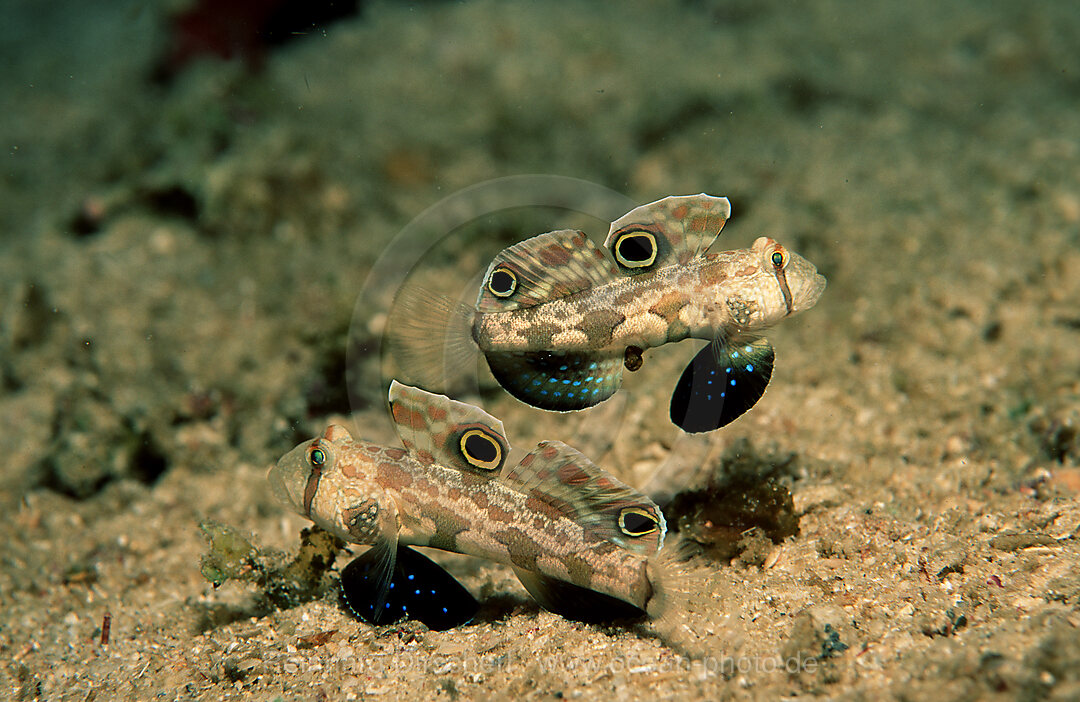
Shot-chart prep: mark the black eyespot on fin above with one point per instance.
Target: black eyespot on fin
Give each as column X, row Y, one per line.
column 635, row 522
column 635, row 248
column 503, row 282
column 481, row 450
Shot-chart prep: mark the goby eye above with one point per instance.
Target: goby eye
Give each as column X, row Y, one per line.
column 779, row 258
column 316, row 459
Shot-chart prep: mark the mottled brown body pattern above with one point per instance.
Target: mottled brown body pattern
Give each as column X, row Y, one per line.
column 558, row 318
column 374, row 495
column 674, row 304
column 458, row 512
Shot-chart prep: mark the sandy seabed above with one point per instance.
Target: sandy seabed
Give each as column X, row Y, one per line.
column 181, row 264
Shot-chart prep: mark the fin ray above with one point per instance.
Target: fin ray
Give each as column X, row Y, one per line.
column 376, row 569
column 429, row 338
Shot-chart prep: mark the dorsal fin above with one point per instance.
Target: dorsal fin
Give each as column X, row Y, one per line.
column 669, row 231
column 563, row 479
column 541, row 269
column 436, row 429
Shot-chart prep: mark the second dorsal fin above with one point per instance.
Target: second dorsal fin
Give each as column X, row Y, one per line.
column 564, row 480
column 436, row 429
column 541, row 269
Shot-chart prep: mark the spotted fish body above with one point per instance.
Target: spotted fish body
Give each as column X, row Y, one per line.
column 581, row 541
column 558, row 319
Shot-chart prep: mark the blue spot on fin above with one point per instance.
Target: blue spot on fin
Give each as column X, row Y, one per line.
column 591, row 377
column 452, row 606
column 695, row 409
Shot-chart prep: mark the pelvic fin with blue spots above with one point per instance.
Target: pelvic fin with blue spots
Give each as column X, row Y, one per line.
column 418, row 589
column 720, row 384
column 557, row 381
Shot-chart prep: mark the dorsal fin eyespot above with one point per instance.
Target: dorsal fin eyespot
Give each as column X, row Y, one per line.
column 564, row 480
column 635, row 248
column 482, row 449
column 541, row 269
column 680, row 227
column 636, row 522
column 502, row 282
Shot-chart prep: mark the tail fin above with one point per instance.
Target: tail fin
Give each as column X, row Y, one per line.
column 678, row 594
column 429, row 340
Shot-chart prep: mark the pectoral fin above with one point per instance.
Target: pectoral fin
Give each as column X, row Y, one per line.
column 417, row 588
column 720, row 384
